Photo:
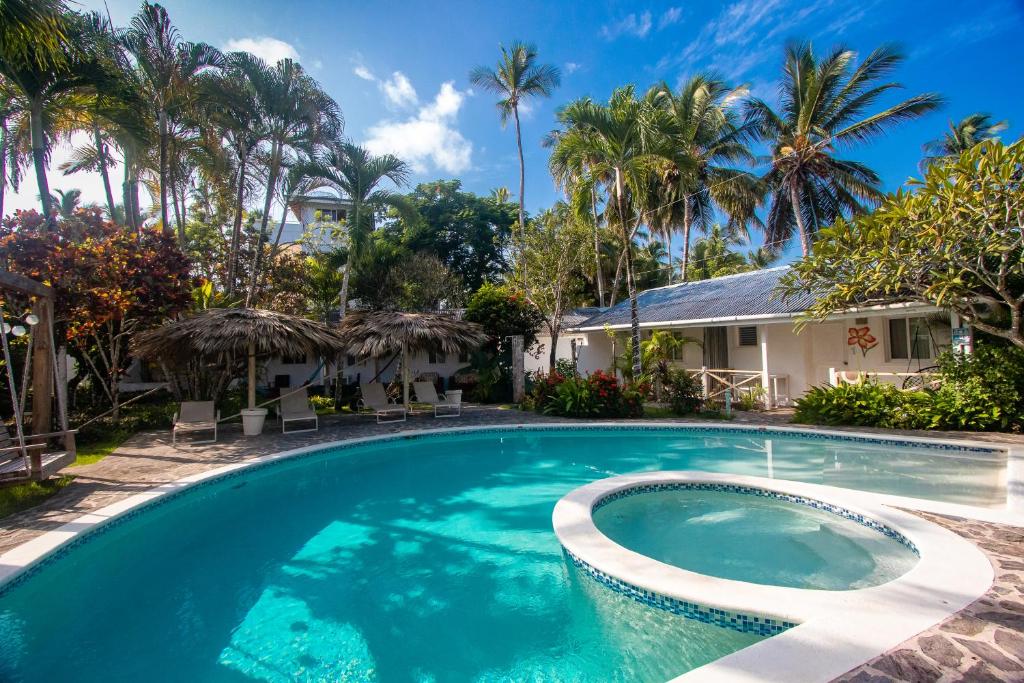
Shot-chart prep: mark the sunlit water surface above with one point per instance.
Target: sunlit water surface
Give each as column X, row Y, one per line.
column 420, row 560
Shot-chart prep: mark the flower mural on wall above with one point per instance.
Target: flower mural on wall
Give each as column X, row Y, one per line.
column 862, row 338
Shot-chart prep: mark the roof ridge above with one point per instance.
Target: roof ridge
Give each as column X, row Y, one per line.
column 747, row 273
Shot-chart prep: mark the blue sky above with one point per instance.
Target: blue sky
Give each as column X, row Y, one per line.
column 399, row 69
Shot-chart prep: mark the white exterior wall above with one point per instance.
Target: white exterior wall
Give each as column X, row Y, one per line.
column 419, row 363
column 543, row 352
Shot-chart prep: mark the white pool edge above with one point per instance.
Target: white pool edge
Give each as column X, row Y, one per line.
column 836, row 630
column 789, row 656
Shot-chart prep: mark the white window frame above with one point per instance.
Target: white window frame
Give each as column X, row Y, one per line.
column 932, row 350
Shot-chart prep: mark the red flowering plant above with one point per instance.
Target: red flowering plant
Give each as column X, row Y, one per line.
column 542, row 388
column 598, row 395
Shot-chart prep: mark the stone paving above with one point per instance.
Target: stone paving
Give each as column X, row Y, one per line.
column 984, row 642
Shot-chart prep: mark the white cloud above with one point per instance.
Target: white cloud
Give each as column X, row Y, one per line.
column 429, row 138
column 671, row 16
column 399, row 91
column 632, row 24
column 270, row 50
column 318, row 64
column 571, row 68
column 363, row 73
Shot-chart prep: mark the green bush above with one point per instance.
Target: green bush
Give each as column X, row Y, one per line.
column 598, row 395
column 683, row 392
column 864, row 405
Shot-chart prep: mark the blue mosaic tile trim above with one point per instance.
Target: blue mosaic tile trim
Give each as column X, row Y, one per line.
column 744, row 623
column 761, row 493
column 58, row 553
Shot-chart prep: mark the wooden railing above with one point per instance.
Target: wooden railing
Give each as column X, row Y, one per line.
column 716, row 381
column 905, row 381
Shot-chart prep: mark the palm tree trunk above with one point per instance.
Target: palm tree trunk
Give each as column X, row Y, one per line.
column 687, row 225
column 101, row 153
column 634, row 310
column 275, row 168
column 597, row 250
column 668, row 246
column 3, row 164
column 280, row 230
column 522, row 189
column 343, row 294
column 39, row 158
column 617, row 279
column 236, row 232
column 164, row 221
column 805, row 238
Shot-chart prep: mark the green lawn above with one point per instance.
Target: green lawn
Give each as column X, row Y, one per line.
column 18, row 497
column 96, row 449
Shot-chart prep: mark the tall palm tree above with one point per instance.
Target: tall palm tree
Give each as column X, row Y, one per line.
column 45, row 88
column 517, row 77
column 823, row 107
column 616, row 141
column 962, row 136
column 357, row 175
column 33, row 33
column 169, row 68
column 299, row 116
column 706, row 140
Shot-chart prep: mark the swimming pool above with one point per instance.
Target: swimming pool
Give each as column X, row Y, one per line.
column 425, row 559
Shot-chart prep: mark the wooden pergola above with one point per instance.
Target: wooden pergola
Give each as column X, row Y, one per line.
column 29, row 455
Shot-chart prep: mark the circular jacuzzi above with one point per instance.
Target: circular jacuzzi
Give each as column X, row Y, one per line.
column 753, row 534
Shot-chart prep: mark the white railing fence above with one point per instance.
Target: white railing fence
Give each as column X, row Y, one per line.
column 764, row 387
column 905, row 381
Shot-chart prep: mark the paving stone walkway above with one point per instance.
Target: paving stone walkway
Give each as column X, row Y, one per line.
column 984, row 642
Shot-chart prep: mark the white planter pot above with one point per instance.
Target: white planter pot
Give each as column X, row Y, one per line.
column 252, row 421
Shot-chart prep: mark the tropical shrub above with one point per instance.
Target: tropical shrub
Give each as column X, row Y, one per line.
column 867, row 404
column 682, row 391
column 598, row 395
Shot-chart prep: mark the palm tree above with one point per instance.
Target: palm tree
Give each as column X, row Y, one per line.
column 822, row 108
column 169, row 68
column 33, row 33
column 516, row 78
column 499, row 194
column 299, row 116
column 67, row 202
column 614, row 140
column 962, row 136
column 705, row 140
column 47, row 87
column 357, row 174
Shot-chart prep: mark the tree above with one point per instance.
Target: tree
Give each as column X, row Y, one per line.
column 517, row 77
column 954, row 240
column 822, row 108
column 169, row 68
column 109, row 283
column 556, row 253
column 357, row 174
column 962, row 135
column 705, row 140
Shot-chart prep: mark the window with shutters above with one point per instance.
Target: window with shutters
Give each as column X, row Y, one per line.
column 747, row 335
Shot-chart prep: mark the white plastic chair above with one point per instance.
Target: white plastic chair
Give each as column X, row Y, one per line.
column 450, row 403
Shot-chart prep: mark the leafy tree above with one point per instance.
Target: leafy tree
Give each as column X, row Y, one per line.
column 503, row 312
column 823, row 106
column 955, row 240
column 517, row 77
column 466, row 232
column 421, row 282
column 962, row 135
column 556, row 252
column 109, row 283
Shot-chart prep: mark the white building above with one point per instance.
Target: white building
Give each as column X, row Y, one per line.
column 744, row 337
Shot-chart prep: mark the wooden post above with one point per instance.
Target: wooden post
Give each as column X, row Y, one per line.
column 705, row 382
column 405, row 374
column 42, row 377
column 832, row 379
column 252, row 376
column 518, row 370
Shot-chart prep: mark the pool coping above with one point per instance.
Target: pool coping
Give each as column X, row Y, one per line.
column 18, row 561
column 819, row 634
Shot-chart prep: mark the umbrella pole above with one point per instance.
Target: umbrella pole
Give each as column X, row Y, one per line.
column 405, row 373
column 252, row 376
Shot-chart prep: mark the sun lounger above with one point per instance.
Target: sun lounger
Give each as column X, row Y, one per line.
column 295, row 407
column 376, row 399
column 195, row 416
column 445, row 405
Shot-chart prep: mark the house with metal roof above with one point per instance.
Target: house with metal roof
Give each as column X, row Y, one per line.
column 741, row 335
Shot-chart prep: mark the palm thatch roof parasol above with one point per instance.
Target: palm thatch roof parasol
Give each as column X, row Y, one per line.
column 238, row 330
column 380, row 333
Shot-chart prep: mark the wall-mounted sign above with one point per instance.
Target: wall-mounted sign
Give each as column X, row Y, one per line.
column 963, row 340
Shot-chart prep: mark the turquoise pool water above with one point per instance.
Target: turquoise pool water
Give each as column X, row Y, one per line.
column 752, row 538
column 427, row 559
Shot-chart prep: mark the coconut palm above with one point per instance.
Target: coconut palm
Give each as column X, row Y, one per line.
column 962, row 136
column 299, row 115
column 33, row 33
column 169, row 68
column 357, row 175
column 516, row 78
column 823, row 107
column 706, row 140
column 615, row 143
column 46, row 89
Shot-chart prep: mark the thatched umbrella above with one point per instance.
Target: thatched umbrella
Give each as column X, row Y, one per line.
column 238, row 330
column 383, row 332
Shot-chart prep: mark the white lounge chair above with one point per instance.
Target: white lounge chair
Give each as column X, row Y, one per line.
column 295, row 407
column 450, row 403
column 196, row 416
column 376, row 399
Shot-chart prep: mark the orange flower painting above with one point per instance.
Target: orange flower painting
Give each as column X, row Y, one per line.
column 862, row 338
